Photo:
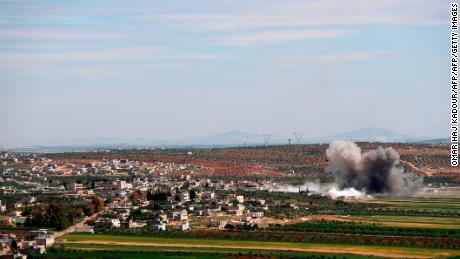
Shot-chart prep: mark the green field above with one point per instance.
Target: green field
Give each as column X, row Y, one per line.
column 116, row 251
column 18, row 166
column 419, row 203
column 405, row 221
column 104, row 254
column 209, row 244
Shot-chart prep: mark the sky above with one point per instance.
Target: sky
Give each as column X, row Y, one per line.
column 177, row 69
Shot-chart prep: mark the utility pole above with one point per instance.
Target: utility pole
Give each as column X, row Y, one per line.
column 297, row 136
column 266, row 138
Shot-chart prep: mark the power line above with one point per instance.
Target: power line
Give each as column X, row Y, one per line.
column 297, row 135
column 266, row 138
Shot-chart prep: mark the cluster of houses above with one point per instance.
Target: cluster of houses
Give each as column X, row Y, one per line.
column 132, row 187
column 204, row 210
column 13, row 216
column 35, row 242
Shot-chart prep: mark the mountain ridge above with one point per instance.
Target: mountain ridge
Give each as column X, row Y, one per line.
column 236, row 138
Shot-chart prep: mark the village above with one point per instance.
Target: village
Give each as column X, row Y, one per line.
column 136, row 196
column 56, row 204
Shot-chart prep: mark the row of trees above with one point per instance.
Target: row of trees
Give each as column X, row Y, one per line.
column 60, row 215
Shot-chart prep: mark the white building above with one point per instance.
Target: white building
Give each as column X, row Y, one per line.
column 120, row 185
column 2, row 206
column 217, row 223
column 235, row 210
column 209, row 195
column 184, row 196
column 183, row 226
column 257, row 214
column 42, row 237
column 156, row 225
column 180, row 215
column 84, row 229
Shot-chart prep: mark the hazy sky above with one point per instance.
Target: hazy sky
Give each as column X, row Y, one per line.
column 176, row 69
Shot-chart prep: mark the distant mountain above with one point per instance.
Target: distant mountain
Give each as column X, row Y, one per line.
column 225, row 139
column 233, row 138
column 373, row 135
column 435, row 141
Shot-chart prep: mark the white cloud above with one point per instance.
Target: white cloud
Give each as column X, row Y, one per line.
column 32, row 33
column 23, row 58
column 82, row 55
column 267, row 37
column 281, row 14
column 234, row 22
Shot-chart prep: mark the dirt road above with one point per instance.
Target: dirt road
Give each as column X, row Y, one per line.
column 79, row 224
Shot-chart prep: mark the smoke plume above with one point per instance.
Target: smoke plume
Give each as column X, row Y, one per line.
column 372, row 172
column 334, row 193
column 313, row 186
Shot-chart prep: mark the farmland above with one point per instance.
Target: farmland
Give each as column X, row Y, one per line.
column 71, row 250
column 419, row 203
column 306, row 161
column 387, row 251
column 401, row 221
column 242, row 202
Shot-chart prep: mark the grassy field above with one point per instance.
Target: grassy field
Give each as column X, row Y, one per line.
column 18, row 166
column 420, row 203
column 104, row 254
column 403, row 221
column 451, row 192
column 117, row 251
column 165, row 242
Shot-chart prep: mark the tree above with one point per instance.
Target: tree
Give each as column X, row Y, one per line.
column 57, row 217
column 98, row 203
column 160, row 195
column 14, row 244
column 89, row 209
column 229, row 227
column 192, row 194
column 150, row 195
column 135, row 196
